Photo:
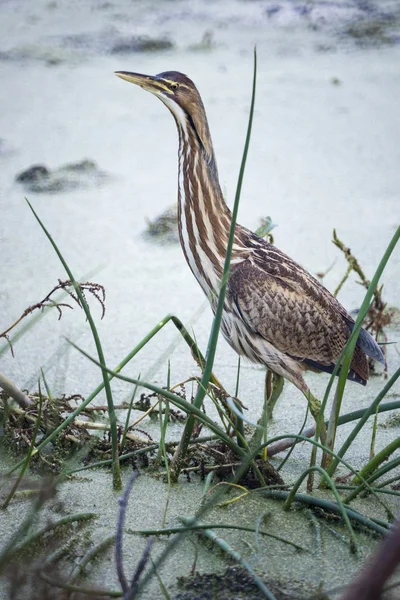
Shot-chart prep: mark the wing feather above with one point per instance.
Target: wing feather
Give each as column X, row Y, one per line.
column 283, row 303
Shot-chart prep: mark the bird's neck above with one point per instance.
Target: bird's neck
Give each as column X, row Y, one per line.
column 204, row 218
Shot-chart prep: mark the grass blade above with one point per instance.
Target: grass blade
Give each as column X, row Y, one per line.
column 370, row 411
column 226, row 548
column 117, row 484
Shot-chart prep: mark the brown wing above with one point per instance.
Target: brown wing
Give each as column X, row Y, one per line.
column 286, row 306
column 274, row 262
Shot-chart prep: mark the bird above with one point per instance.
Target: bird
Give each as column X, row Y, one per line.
column 275, row 313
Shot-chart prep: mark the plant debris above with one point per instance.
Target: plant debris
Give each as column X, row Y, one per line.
column 96, row 289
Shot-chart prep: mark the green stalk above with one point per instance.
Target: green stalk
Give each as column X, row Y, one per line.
column 237, row 378
column 377, row 489
column 180, row 454
column 61, row 551
column 46, row 385
column 351, row 344
column 362, row 421
column 232, row 417
column 381, row 522
column 358, row 414
column 327, row 506
column 376, row 475
column 94, row 551
column 282, row 463
column 324, row 474
column 373, row 436
column 128, row 416
column 383, row 484
column 162, row 448
column 354, row 416
column 240, row 437
column 261, row 431
column 199, row 526
column 207, row 484
column 117, row 483
column 319, row 553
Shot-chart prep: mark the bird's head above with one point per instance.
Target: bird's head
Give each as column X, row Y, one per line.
column 180, row 95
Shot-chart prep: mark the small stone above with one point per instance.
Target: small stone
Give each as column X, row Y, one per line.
column 40, row 179
column 164, row 227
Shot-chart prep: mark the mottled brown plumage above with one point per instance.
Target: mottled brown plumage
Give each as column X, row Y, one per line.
column 275, row 312
column 285, row 305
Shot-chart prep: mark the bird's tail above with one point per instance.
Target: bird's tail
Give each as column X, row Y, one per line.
column 368, row 345
column 351, row 375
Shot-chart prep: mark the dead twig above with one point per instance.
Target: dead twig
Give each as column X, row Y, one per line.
column 96, row 289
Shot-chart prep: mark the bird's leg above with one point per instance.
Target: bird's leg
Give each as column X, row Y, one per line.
column 315, row 409
column 273, row 390
column 262, row 432
column 331, row 434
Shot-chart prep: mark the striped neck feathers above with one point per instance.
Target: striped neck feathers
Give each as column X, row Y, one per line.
column 204, row 217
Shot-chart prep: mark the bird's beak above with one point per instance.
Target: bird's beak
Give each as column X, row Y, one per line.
column 147, row 82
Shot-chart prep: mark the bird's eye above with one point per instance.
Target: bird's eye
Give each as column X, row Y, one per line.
column 174, row 86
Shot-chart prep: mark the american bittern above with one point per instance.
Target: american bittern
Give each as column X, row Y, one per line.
column 275, row 312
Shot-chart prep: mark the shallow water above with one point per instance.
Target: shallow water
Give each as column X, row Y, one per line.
column 325, row 153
